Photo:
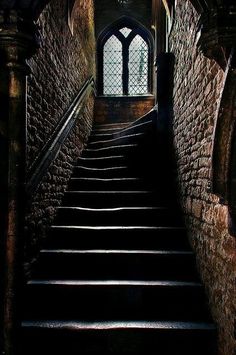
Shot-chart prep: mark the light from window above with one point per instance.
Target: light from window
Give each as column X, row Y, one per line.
column 123, row 2
column 125, row 31
column 112, row 67
column 138, row 66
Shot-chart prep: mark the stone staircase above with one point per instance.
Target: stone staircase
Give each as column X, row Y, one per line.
column 117, row 275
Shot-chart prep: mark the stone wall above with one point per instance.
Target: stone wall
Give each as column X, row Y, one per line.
column 198, row 84
column 114, row 109
column 58, row 71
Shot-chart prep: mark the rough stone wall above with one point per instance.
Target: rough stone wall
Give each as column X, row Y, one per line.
column 59, row 69
column 114, row 110
column 198, row 84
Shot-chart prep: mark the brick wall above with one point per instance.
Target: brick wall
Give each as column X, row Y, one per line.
column 59, row 69
column 113, row 109
column 198, row 83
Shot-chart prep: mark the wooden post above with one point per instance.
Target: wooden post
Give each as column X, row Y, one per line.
column 16, row 43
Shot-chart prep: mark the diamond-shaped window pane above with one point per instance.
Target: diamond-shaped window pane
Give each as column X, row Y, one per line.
column 125, row 31
column 123, row 2
column 113, row 64
column 138, row 66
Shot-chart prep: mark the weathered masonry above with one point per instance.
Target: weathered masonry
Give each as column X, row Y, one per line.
column 117, row 176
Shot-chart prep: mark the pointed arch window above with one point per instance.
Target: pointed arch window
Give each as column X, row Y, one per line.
column 113, row 63
column 138, row 66
column 124, row 60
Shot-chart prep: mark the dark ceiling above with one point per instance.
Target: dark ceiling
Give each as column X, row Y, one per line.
column 108, row 11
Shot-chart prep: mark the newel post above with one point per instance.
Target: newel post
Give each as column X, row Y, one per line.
column 17, row 44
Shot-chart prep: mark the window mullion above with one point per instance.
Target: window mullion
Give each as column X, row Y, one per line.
column 125, row 75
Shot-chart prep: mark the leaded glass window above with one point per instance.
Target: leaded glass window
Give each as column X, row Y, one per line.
column 113, row 64
column 125, row 62
column 125, row 31
column 123, row 2
column 138, row 66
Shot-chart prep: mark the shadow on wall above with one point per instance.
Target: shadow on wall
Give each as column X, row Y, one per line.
column 165, row 84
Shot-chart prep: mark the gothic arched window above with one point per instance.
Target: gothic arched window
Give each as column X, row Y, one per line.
column 124, row 60
column 112, row 66
column 138, row 66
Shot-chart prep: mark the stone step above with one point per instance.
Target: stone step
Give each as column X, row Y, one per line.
column 118, row 125
column 151, row 216
column 102, row 184
column 96, row 199
column 118, row 237
column 95, row 137
column 102, row 162
column 120, row 300
column 103, row 173
column 113, row 150
column 117, row 264
column 127, row 139
column 107, row 129
column 118, row 337
column 142, row 127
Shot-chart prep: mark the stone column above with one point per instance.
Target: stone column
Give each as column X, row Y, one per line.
column 17, row 43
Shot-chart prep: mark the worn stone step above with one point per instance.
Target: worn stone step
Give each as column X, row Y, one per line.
column 96, row 199
column 120, row 300
column 107, row 129
column 125, row 170
column 117, row 264
column 118, row 125
column 114, row 337
column 151, row 216
column 128, row 139
column 102, row 184
column 112, row 150
column 102, row 162
column 118, row 237
column 94, row 137
column 132, row 163
column 141, row 127
column 109, row 172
